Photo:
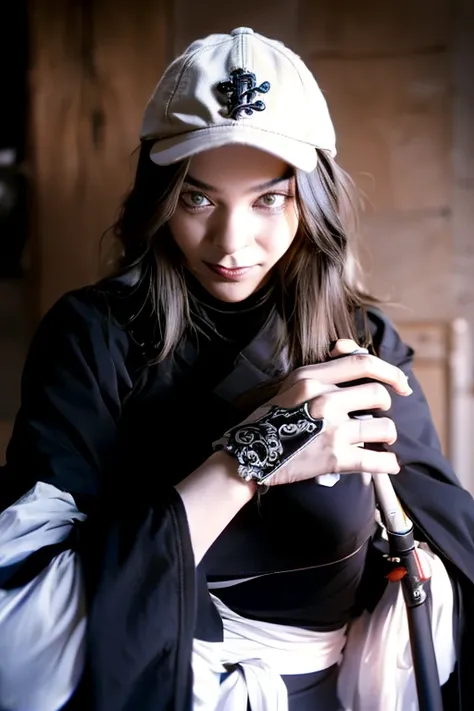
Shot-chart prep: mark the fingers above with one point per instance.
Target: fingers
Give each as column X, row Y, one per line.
column 344, row 346
column 301, row 390
column 350, row 459
column 377, row 429
column 335, row 404
column 376, row 462
column 331, row 452
column 353, row 367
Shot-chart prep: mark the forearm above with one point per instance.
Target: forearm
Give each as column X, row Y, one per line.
column 212, row 495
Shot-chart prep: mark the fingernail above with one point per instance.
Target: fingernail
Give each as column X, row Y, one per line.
column 406, row 383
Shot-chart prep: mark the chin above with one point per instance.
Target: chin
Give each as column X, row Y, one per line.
column 231, row 293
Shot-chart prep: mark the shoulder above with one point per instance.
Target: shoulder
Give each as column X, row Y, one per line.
column 384, row 337
column 109, row 305
column 80, row 306
column 116, row 312
column 83, row 327
column 81, row 312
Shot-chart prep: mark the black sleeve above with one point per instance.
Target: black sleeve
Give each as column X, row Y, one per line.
column 73, row 384
column 139, row 564
column 427, row 485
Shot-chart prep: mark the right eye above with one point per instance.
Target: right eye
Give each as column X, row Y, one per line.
column 194, row 200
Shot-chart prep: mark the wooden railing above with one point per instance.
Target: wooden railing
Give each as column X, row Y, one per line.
column 443, row 365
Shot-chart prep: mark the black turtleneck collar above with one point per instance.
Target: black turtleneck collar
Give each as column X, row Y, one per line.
column 233, row 322
column 201, row 295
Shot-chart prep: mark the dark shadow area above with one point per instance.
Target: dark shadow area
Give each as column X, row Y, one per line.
column 13, row 137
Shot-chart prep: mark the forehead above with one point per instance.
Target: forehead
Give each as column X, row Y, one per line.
column 238, row 166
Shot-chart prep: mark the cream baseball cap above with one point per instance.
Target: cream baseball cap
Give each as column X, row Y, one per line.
column 238, row 88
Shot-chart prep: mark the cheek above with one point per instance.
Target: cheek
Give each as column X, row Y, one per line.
column 283, row 234
column 292, row 220
column 186, row 231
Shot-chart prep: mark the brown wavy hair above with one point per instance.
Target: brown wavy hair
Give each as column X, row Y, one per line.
column 319, row 276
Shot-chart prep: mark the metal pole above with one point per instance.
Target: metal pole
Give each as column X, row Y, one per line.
column 403, row 555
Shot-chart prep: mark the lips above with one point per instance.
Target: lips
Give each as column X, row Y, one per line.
column 229, row 274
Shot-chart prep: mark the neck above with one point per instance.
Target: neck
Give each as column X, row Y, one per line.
column 201, row 296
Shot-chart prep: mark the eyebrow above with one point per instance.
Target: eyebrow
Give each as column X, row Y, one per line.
column 189, row 180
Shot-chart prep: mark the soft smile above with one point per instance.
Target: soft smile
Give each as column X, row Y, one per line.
column 229, row 274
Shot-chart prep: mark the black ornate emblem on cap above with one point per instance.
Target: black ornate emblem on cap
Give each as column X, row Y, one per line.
column 241, row 91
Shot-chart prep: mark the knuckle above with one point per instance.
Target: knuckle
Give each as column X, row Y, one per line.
column 391, row 463
column 391, row 429
column 323, row 405
column 345, row 346
column 339, row 438
column 334, row 462
column 290, row 380
column 363, row 363
column 333, row 438
column 297, row 374
column 381, row 395
column 335, row 450
column 304, row 390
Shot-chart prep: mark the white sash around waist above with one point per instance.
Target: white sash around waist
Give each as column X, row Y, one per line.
column 376, row 670
column 263, row 652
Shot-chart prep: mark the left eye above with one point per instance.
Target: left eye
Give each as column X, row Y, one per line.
column 275, row 200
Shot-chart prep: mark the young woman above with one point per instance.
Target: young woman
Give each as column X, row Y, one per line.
column 185, row 470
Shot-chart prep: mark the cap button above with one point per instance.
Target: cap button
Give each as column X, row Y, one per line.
column 242, row 31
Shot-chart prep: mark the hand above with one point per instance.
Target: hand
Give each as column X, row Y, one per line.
column 338, row 448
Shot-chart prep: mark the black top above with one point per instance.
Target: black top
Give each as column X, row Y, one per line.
column 116, row 432
column 322, row 530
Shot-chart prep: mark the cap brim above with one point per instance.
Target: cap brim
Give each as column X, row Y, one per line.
column 171, row 150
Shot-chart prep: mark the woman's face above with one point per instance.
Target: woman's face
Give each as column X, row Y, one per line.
column 235, row 219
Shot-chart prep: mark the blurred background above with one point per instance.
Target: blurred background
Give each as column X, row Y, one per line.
column 398, row 77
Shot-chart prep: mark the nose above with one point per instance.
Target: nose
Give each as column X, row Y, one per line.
column 232, row 231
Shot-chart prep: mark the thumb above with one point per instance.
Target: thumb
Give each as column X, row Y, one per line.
column 344, row 346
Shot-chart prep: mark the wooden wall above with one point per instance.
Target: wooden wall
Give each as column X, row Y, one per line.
column 94, row 67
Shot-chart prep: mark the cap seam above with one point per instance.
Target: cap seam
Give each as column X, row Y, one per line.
column 185, row 66
column 285, row 55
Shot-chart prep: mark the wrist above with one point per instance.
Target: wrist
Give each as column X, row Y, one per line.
column 212, row 495
column 226, row 467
